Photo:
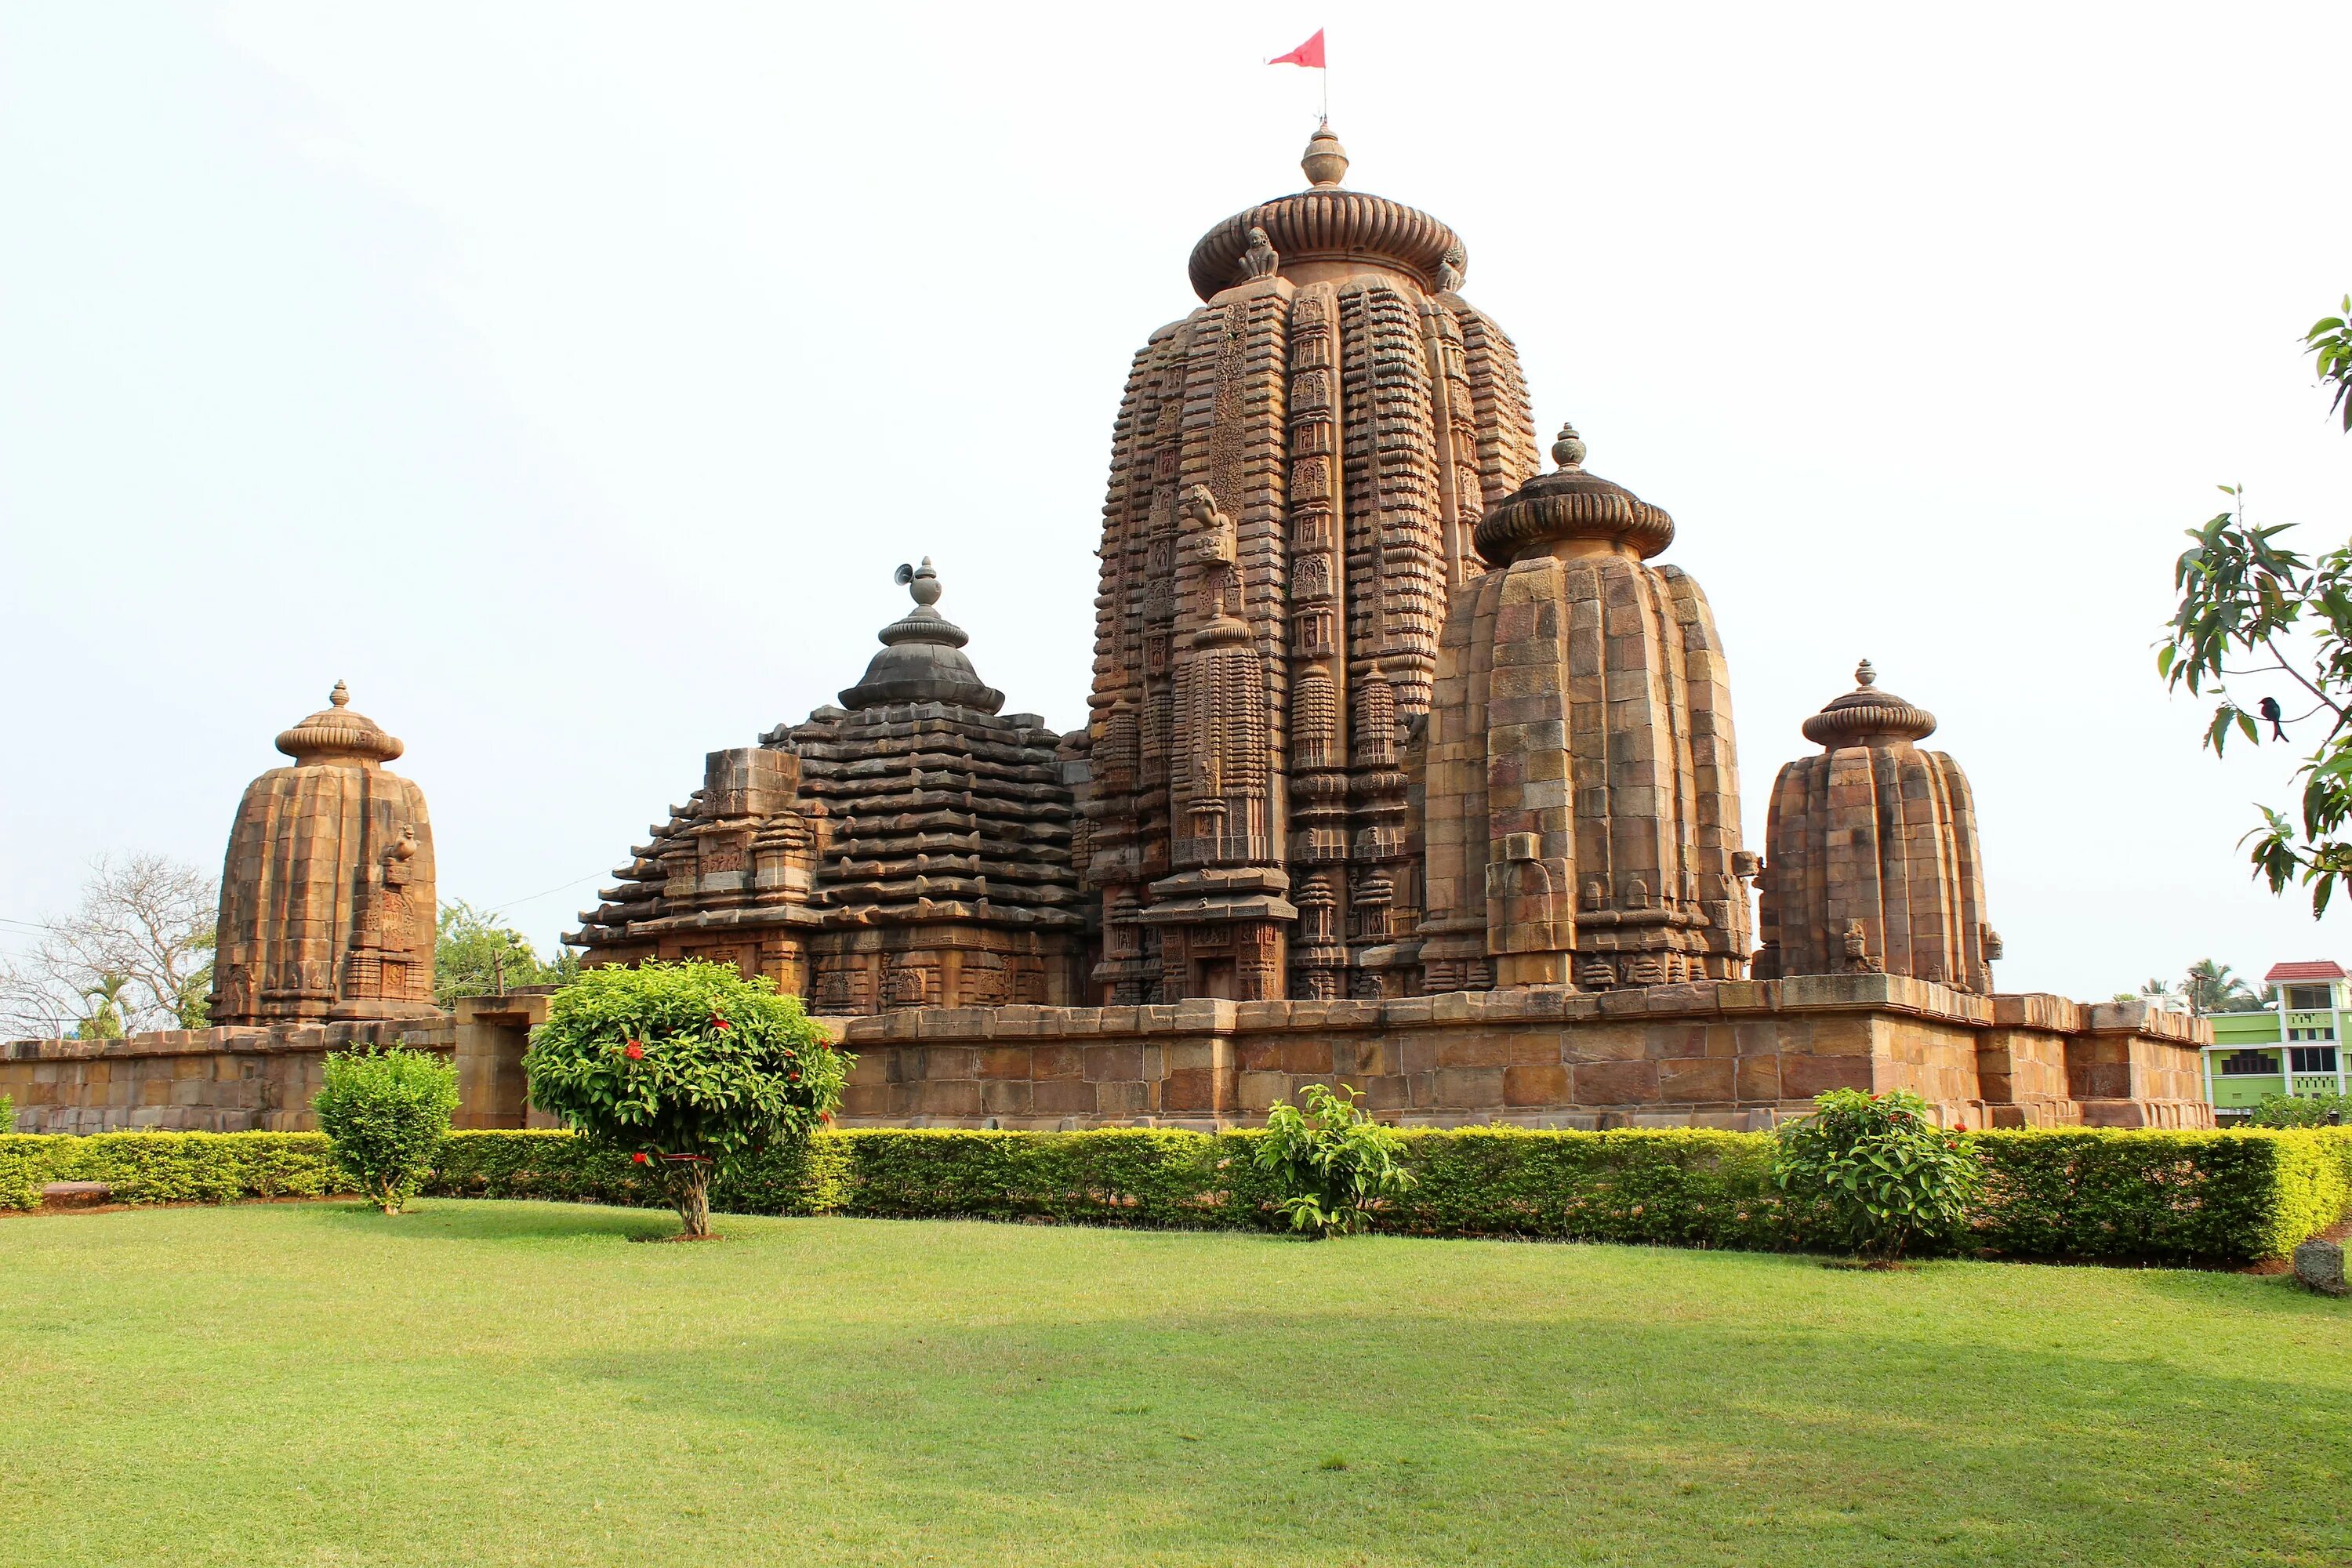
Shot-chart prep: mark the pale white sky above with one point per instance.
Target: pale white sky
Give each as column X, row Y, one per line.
column 569, row 378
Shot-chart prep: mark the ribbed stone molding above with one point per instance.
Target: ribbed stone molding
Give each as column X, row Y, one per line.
column 1570, row 504
column 1865, row 717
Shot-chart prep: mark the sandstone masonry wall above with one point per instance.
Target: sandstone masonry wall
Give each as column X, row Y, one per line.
column 1709, row 1053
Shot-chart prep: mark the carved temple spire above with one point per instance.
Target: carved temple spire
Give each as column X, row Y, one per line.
column 1870, row 853
column 1347, row 416
column 327, row 892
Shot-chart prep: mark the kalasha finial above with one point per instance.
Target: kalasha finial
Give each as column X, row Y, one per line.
column 1326, row 162
column 340, row 696
column 923, row 584
column 1864, row 675
column 1569, row 450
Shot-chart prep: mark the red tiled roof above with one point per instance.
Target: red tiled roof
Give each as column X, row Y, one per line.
column 2308, row 969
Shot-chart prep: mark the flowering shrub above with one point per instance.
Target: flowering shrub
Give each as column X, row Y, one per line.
column 1333, row 1162
column 384, row 1114
column 1883, row 1173
column 687, row 1067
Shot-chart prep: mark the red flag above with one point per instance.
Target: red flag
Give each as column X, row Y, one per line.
column 1309, row 53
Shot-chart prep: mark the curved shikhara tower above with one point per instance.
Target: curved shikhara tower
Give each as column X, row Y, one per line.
column 1295, row 476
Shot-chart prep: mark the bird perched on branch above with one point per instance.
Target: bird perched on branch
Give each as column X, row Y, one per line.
column 2268, row 709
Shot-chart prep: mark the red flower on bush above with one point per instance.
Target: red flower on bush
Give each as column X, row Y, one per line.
column 718, row 1022
column 633, row 1051
column 639, row 1159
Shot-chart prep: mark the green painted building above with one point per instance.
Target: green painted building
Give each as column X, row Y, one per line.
column 2290, row 1047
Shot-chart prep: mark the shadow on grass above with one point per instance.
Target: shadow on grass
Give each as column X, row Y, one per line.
column 463, row 1219
column 1637, row 1440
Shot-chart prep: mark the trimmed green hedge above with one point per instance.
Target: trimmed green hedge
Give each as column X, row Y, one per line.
column 168, row 1167
column 2168, row 1197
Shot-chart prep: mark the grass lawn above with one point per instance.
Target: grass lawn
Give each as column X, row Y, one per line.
column 493, row 1384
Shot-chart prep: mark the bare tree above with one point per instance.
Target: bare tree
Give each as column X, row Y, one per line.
column 135, row 954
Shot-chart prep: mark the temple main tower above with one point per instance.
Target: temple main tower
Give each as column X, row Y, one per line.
column 1296, row 474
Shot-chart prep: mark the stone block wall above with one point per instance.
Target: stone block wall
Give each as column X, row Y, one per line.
column 1738, row 1053
column 261, row 1078
column 1707, row 1053
column 192, row 1081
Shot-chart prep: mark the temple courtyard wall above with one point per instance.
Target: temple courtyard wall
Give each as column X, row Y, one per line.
column 1739, row 1054
column 260, row 1078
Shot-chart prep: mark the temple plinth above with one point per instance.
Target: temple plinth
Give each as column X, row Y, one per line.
column 1871, row 855
column 327, row 898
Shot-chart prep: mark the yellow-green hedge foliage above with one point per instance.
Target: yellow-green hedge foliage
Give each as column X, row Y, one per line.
column 2170, row 1197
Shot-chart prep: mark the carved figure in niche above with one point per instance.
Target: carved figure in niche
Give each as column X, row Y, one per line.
column 1856, row 942
column 1219, row 691
column 1594, row 897
column 1637, row 894
column 1261, row 258
column 909, row 986
column 1314, row 579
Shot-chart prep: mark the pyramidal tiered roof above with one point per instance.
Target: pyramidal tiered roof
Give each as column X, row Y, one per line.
column 914, row 801
column 941, row 807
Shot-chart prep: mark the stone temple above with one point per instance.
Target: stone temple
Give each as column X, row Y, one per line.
column 327, row 902
column 1408, row 764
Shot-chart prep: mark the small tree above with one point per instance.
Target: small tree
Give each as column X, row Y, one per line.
column 1333, row 1162
column 2250, row 608
column 1885, row 1174
column 142, row 931
column 475, row 953
column 687, row 1067
column 385, row 1114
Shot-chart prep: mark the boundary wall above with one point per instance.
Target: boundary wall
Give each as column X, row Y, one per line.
column 1726, row 1053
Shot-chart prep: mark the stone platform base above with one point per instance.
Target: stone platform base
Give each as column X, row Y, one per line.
column 1736, row 1054
column 1723, row 1053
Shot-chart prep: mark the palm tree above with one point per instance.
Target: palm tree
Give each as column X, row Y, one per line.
column 2210, row 987
column 2158, row 994
column 105, row 1020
